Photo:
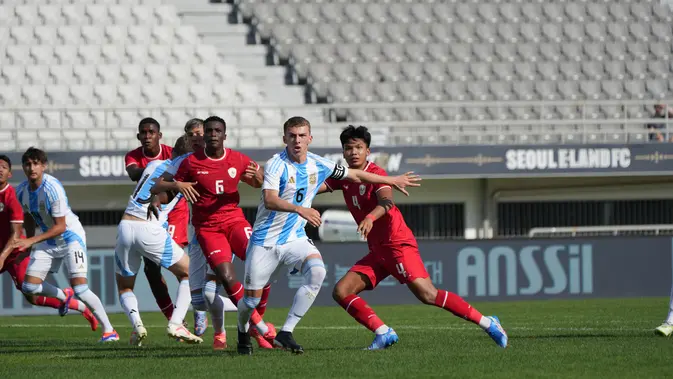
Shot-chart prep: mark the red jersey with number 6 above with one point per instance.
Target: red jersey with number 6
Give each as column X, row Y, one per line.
column 10, row 213
column 217, row 183
column 361, row 200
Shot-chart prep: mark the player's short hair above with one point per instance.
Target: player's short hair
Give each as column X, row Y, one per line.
column 34, row 154
column 149, row 120
column 5, row 158
column 351, row 133
column 182, row 147
column 215, row 119
column 294, row 122
column 193, row 123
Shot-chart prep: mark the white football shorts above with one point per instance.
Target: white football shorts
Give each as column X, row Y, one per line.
column 137, row 239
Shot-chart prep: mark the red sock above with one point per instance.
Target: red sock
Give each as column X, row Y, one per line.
column 48, row 302
column 166, row 306
column 261, row 308
column 73, row 304
column 456, row 305
column 236, row 294
column 361, row 312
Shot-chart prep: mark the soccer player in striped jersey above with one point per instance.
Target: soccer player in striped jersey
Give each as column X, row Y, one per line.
column 143, row 234
column 62, row 237
column 291, row 181
column 15, row 261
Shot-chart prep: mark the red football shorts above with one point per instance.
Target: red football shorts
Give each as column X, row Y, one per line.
column 17, row 270
column 178, row 220
column 401, row 261
column 219, row 242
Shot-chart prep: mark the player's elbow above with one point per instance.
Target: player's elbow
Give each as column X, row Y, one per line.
column 59, row 228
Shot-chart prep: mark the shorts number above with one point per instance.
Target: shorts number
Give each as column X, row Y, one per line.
column 401, row 270
column 171, row 230
column 79, row 257
column 219, row 187
column 248, row 231
column 355, row 202
column 299, row 196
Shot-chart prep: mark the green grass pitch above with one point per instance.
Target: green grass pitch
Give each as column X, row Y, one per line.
column 557, row 339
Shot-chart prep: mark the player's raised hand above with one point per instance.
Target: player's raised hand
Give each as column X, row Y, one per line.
column 310, row 215
column 188, row 191
column 408, row 179
column 365, row 227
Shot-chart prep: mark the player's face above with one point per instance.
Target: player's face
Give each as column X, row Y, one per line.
column 297, row 140
column 214, row 135
column 5, row 172
column 149, row 136
column 356, row 153
column 195, row 137
column 33, row 169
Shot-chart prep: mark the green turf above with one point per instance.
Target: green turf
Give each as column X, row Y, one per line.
column 581, row 338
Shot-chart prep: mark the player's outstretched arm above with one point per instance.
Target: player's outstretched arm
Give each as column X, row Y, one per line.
column 185, row 188
column 409, row 179
column 273, row 202
column 14, row 234
column 56, row 230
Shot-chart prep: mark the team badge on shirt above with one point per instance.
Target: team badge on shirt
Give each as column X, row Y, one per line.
column 2, row 207
column 232, row 172
column 312, row 178
column 363, row 188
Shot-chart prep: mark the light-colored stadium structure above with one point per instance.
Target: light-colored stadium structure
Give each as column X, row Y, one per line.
column 78, row 75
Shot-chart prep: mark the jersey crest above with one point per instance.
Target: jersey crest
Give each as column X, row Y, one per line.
column 2, row 207
column 363, row 188
column 232, row 172
column 313, row 178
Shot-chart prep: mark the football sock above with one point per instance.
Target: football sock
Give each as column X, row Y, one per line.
column 245, row 309
column 44, row 289
column 459, row 307
column 235, row 295
column 94, row 304
column 215, row 306
column 261, row 308
column 198, row 303
column 182, row 302
column 314, row 274
column 129, row 303
column 669, row 319
column 362, row 313
column 47, row 302
column 166, row 306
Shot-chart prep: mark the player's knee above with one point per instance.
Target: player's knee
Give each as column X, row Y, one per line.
column 314, row 272
column 31, row 288
column 152, row 271
column 427, row 295
column 339, row 293
column 251, row 302
column 210, row 292
column 80, row 289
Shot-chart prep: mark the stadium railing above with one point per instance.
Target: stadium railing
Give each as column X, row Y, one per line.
column 607, row 230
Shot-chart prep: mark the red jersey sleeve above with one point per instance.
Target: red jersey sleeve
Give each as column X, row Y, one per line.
column 183, row 174
column 333, row 184
column 131, row 158
column 379, row 171
column 14, row 208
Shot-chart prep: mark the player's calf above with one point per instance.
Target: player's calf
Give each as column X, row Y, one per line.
column 158, row 287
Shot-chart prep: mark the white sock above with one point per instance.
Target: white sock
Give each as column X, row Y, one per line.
column 245, row 308
column 182, row 301
column 129, row 303
column 314, row 274
column 93, row 302
column 669, row 319
column 51, row 291
column 485, row 322
column 81, row 306
column 383, row 329
column 228, row 305
column 215, row 304
column 261, row 327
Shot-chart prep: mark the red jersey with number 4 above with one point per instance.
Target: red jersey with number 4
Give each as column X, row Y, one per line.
column 138, row 157
column 10, row 212
column 217, row 184
column 361, row 200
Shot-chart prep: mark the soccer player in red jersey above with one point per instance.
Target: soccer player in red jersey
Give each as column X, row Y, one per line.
column 149, row 134
column 12, row 260
column 220, row 226
column 392, row 251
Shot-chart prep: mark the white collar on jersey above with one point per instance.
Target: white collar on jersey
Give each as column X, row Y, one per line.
column 215, row 159
column 142, row 150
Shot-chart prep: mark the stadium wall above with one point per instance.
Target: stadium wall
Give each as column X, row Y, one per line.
column 479, row 270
